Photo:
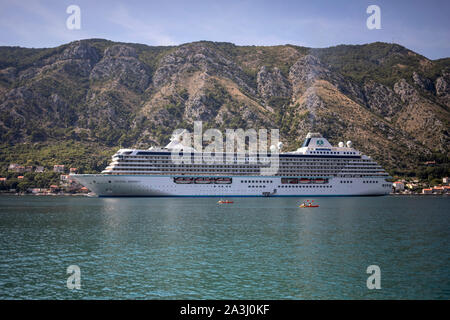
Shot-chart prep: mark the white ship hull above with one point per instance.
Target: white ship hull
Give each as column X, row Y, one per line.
column 107, row 185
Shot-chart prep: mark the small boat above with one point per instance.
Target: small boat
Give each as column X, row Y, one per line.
column 224, row 201
column 308, row 204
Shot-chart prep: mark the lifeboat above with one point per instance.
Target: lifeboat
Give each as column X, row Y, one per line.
column 319, row 180
column 223, row 180
column 203, row 180
column 183, row 180
column 305, row 180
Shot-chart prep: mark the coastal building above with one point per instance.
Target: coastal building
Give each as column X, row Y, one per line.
column 441, row 189
column 411, row 185
column 54, row 188
column 398, row 186
column 445, row 180
column 20, row 177
column 39, row 169
column 69, row 184
column 58, row 168
column 2, row 179
column 28, row 168
column 39, row 191
column 14, row 167
column 427, row 191
column 438, row 190
column 73, row 170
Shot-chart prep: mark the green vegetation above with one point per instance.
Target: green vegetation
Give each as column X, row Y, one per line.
column 438, row 167
column 22, row 58
column 87, row 158
column 29, row 180
column 385, row 63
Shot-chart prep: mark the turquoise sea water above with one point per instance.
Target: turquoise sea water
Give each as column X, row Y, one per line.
column 193, row 248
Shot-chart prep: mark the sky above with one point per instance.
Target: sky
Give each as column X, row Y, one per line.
column 422, row 26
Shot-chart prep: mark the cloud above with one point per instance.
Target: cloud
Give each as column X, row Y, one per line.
column 35, row 24
column 139, row 30
column 32, row 23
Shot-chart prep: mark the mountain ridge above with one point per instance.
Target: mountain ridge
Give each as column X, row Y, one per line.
column 393, row 103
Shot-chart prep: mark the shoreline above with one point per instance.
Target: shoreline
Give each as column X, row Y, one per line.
column 43, row 194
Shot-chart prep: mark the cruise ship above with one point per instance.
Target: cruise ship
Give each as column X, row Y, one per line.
column 315, row 169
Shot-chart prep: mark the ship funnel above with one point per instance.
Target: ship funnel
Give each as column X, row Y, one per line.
column 280, row 145
column 341, row 144
column 349, row 144
column 176, row 136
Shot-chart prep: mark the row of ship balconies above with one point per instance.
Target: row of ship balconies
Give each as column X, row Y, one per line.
column 240, row 171
column 317, row 166
column 238, row 160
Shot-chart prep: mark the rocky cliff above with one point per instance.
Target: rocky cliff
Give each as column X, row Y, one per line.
column 391, row 102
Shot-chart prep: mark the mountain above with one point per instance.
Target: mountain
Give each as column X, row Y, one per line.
column 77, row 103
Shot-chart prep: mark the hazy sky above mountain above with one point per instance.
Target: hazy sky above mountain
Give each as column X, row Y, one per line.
column 422, row 26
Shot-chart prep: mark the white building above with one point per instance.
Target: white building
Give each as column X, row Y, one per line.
column 58, row 168
column 398, row 186
column 39, row 169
